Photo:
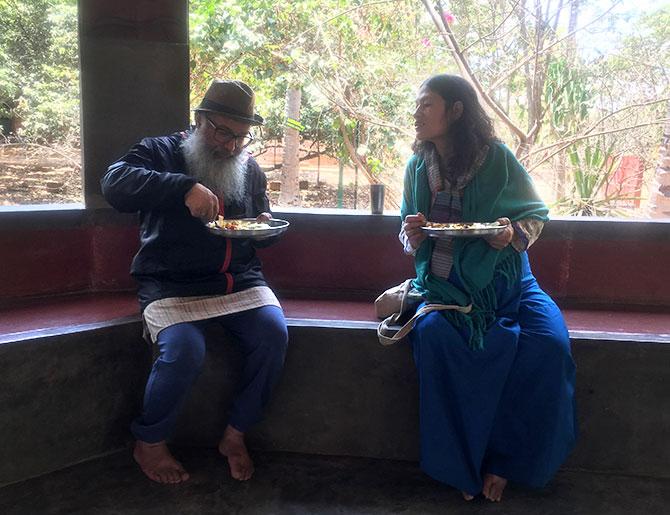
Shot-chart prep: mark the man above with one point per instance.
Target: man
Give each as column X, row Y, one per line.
column 189, row 277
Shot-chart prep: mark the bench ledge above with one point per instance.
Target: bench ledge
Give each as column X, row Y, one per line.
column 36, row 318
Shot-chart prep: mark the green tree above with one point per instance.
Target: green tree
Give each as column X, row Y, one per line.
column 39, row 68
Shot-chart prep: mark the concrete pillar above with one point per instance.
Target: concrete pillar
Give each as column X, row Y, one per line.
column 134, row 78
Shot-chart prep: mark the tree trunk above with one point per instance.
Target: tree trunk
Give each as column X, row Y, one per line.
column 659, row 198
column 572, row 25
column 535, row 84
column 570, row 56
column 560, row 167
column 290, row 191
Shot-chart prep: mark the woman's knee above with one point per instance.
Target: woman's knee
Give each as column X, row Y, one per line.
column 431, row 332
column 550, row 345
column 559, row 342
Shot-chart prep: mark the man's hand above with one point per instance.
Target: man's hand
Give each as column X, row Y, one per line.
column 263, row 217
column 411, row 227
column 202, row 203
column 500, row 240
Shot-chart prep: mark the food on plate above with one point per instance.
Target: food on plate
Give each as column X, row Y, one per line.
column 238, row 225
column 461, row 226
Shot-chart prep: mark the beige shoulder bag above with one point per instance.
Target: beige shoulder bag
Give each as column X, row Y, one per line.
column 394, row 303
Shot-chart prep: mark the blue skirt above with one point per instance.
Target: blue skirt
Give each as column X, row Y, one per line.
column 508, row 409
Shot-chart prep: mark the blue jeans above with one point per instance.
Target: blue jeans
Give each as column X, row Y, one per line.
column 262, row 337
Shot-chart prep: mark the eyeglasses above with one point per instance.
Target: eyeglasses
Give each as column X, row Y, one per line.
column 225, row 135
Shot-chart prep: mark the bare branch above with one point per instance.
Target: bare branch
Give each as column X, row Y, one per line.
column 352, row 151
column 485, row 36
column 546, row 49
column 599, row 122
column 278, row 166
column 355, row 8
column 566, row 143
column 335, row 97
column 449, row 38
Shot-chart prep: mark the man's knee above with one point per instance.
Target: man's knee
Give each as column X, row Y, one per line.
column 276, row 337
column 185, row 348
column 273, row 334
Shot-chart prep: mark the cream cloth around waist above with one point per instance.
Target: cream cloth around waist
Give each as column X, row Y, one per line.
column 174, row 310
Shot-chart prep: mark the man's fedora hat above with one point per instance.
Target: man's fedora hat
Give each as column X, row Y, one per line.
column 231, row 98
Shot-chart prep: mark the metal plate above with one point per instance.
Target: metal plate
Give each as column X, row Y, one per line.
column 453, row 230
column 277, row 227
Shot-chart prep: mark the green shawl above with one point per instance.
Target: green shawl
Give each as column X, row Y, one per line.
column 501, row 187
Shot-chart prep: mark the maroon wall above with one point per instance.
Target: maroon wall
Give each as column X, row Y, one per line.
column 65, row 251
column 336, row 255
column 44, row 261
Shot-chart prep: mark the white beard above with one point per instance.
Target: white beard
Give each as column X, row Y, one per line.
column 225, row 176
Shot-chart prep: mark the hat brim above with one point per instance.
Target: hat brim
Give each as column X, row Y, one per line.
column 255, row 120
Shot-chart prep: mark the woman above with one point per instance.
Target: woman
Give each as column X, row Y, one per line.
column 496, row 384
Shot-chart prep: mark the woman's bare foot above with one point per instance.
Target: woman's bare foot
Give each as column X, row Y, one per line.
column 493, row 487
column 467, row 496
column 232, row 447
column 157, row 462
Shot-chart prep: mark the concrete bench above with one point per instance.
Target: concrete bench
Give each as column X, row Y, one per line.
column 74, row 371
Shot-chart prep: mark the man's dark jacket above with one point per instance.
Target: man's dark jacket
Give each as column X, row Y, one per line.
column 178, row 255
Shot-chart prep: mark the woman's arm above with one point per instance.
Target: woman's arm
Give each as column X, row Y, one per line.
column 410, row 234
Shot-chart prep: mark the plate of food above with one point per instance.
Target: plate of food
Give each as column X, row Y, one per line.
column 462, row 229
column 247, row 228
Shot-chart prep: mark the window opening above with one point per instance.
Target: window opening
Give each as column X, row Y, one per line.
column 577, row 90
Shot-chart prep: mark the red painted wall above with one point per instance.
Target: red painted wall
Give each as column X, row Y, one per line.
column 308, row 260
column 346, row 256
column 44, row 261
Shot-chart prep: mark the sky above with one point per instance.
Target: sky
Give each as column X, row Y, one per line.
column 597, row 40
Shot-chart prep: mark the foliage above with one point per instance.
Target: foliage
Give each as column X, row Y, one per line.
column 352, row 67
column 9, row 91
column 359, row 62
column 566, row 91
column 593, row 165
column 637, row 71
column 39, row 69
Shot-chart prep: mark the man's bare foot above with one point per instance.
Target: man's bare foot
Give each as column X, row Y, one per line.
column 493, row 487
column 157, row 462
column 467, row 496
column 232, row 446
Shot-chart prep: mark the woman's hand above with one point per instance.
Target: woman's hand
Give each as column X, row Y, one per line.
column 500, row 240
column 263, row 217
column 412, row 229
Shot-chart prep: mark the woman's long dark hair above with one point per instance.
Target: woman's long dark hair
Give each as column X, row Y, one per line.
column 471, row 131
